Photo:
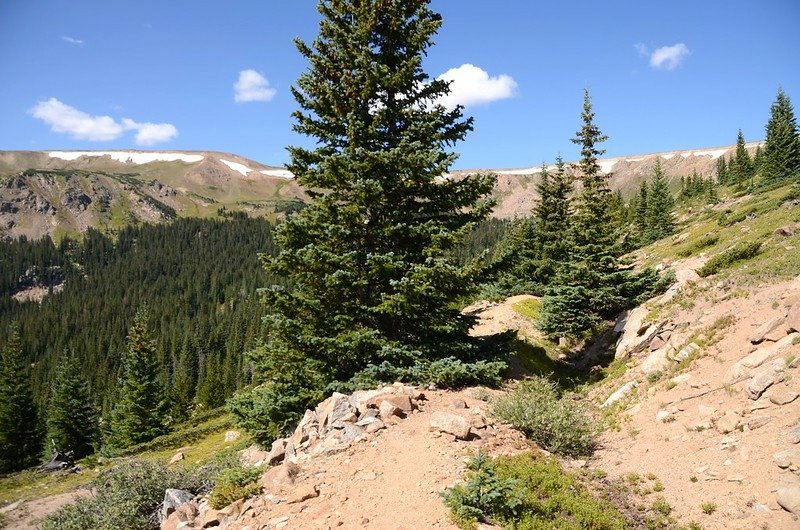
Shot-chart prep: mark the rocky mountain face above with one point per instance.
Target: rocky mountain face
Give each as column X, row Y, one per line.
column 61, row 192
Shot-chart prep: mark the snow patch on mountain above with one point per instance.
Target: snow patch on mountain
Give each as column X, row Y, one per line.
column 280, row 173
column 241, row 168
column 129, row 157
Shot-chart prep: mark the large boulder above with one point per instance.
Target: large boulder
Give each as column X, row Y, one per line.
column 764, row 329
column 454, row 424
column 788, row 498
column 173, row 499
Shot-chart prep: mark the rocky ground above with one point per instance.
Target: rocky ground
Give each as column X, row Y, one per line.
column 341, row 475
column 713, row 409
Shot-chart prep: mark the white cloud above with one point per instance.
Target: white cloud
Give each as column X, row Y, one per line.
column 81, row 126
column 252, row 86
column 63, row 118
column 71, row 40
column 470, row 85
column 669, row 57
column 151, row 133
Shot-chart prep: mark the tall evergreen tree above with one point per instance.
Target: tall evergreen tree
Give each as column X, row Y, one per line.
column 71, row 419
column 551, row 221
column 782, row 148
column 20, row 435
column 722, row 171
column 371, row 260
column 742, row 167
column 140, row 411
column 660, row 205
column 589, row 288
column 640, row 210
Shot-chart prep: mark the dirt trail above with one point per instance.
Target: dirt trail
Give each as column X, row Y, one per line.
column 390, row 481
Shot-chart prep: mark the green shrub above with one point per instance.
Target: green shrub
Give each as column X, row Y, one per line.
column 268, row 411
column 708, row 240
column 708, row 507
column 443, row 373
column 234, row 484
column 555, row 422
column 738, row 252
column 528, row 492
column 484, row 496
column 126, row 497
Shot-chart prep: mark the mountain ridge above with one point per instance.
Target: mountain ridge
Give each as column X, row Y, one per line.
column 58, row 192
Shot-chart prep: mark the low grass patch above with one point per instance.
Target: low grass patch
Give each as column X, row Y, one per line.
column 530, row 308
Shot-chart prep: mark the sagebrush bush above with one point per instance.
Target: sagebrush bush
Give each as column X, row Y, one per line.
column 723, row 260
column 554, row 421
column 128, row 496
column 528, row 492
column 234, row 484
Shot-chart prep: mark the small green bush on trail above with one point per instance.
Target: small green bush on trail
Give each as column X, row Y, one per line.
column 234, row 484
column 724, row 260
column 554, row 421
column 704, row 242
column 528, row 492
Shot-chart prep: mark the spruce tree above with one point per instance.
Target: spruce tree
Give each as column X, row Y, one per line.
column 590, row 287
column 782, row 148
column 20, row 435
column 640, row 211
column 660, row 205
column 742, row 166
column 140, row 411
column 71, row 419
column 371, row 260
column 722, row 171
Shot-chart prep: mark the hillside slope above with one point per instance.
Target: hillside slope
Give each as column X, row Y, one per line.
column 62, row 192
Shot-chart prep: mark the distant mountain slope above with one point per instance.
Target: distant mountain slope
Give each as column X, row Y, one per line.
column 59, row 192
column 515, row 190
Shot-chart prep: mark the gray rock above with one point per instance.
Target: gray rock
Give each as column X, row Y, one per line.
column 333, row 408
column 782, row 396
column 794, row 435
column 756, row 422
column 173, row 498
column 620, row 393
column 458, row 403
column 727, row 423
column 352, row 433
column 764, row 379
column 765, row 328
column 686, row 352
column 793, row 318
column 278, row 451
column 232, row 436
column 374, row 427
column 785, row 458
column 453, row 424
column 253, row 456
column 789, row 499
column 387, row 409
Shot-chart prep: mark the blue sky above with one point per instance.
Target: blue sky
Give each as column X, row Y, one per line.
column 162, row 75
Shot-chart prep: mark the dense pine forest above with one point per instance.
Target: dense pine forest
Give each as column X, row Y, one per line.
column 197, row 278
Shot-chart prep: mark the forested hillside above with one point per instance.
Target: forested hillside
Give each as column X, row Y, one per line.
column 198, row 279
